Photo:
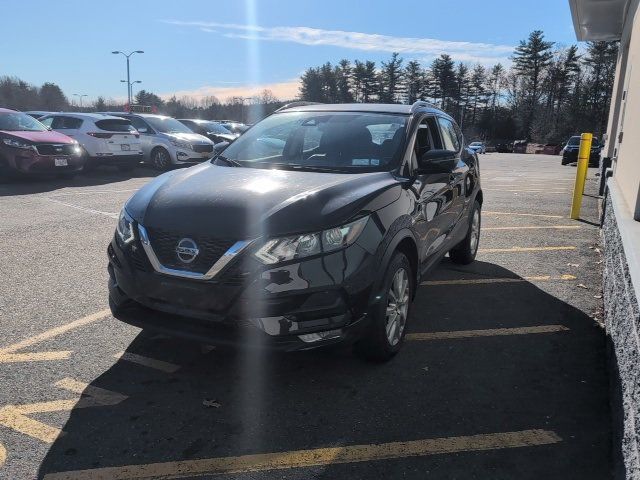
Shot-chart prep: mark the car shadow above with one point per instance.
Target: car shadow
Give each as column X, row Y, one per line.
column 100, row 176
column 231, row 402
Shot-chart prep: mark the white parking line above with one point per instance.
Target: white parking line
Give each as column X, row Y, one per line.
column 84, row 209
column 148, row 362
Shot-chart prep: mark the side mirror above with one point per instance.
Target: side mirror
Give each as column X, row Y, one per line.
column 219, row 147
column 437, row 161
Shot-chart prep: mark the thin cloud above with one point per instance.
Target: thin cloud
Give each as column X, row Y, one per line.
column 282, row 90
column 485, row 53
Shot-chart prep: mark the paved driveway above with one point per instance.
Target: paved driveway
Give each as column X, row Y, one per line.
column 503, row 374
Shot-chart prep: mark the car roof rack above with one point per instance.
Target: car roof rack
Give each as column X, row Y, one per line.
column 297, row 104
column 421, row 104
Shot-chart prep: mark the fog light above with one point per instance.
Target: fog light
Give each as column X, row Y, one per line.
column 316, row 337
column 182, row 155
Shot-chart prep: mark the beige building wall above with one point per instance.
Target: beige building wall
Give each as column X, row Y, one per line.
column 625, row 113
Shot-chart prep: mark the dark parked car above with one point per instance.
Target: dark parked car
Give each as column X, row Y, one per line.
column 212, row 130
column 308, row 230
column 504, row 147
column 28, row 147
column 234, row 127
column 570, row 151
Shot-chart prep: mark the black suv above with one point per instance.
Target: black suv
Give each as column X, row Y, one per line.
column 314, row 227
column 570, row 151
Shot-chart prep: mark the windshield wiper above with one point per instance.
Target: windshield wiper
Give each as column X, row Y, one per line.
column 231, row 163
column 297, row 166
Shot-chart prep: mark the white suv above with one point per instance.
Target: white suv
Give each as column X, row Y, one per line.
column 106, row 140
column 166, row 141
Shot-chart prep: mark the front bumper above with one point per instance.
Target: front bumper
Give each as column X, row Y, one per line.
column 297, row 306
column 189, row 157
column 29, row 162
column 571, row 156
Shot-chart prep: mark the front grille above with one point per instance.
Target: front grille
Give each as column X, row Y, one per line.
column 55, row 149
column 203, row 148
column 210, row 250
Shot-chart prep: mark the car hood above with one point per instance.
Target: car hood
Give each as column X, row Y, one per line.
column 40, row 137
column 240, row 203
column 188, row 137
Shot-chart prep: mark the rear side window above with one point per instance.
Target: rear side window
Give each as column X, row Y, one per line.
column 115, row 125
column 449, row 135
column 138, row 123
column 66, row 123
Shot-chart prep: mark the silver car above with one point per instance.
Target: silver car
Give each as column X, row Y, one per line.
column 166, row 142
column 478, row 147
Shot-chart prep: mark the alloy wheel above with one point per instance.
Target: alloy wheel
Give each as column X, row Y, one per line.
column 397, row 306
column 161, row 159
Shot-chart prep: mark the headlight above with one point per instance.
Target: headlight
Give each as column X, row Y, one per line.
column 287, row 248
column 181, row 144
column 125, row 227
column 77, row 149
column 12, row 142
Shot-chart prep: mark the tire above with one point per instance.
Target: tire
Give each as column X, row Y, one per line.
column 160, row 159
column 465, row 252
column 383, row 340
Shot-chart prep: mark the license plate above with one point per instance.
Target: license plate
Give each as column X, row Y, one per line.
column 60, row 162
column 125, row 147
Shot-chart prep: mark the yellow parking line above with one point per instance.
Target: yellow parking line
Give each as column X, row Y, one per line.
column 34, row 357
column 534, row 227
column 522, row 214
column 315, row 457
column 523, row 249
column 148, row 362
column 16, row 417
column 482, row 281
column 8, row 354
column 493, row 332
column 3, row 455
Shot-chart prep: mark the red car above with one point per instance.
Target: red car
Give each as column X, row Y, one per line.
column 28, row 147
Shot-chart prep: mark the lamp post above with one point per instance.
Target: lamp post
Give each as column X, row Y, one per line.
column 131, row 87
column 132, row 84
column 80, row 98
column 127, row 55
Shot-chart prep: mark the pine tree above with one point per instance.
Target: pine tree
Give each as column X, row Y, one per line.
column 390, row 78
column 414, row 81
column 343, row 76
column 530, row 60
column 444, row 80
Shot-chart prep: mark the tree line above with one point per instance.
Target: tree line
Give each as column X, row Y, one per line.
column 548, row 93
column 20, row 95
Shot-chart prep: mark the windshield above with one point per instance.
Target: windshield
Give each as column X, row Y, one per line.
column 574, row 141
column 167, row 125
column 20, row 122
column 341, row 141
column 213, row 127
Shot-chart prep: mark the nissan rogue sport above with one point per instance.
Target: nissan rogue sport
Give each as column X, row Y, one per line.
column 314, row 227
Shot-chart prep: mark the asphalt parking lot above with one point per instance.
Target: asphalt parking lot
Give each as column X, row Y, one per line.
column 502, row 376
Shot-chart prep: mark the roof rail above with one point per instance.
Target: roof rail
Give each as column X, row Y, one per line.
column 421, row 103
column 297, row 104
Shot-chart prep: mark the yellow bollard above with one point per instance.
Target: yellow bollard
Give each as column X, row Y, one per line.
column 581, row 174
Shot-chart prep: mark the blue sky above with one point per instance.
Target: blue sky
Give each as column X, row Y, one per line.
column 229, row 47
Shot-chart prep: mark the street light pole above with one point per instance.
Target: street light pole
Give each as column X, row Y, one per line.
column 80, row 98
column 127, row 55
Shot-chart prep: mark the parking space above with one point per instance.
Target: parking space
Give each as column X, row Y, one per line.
column 502, row 375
